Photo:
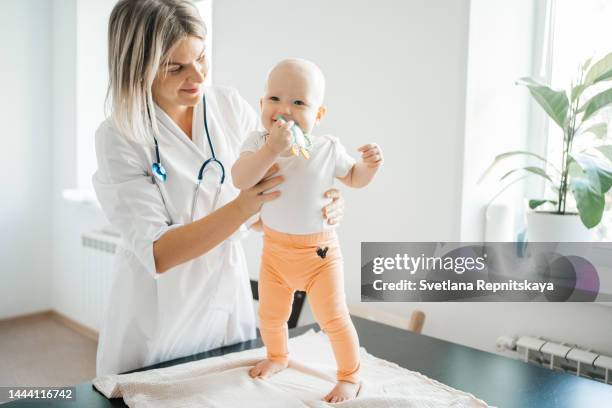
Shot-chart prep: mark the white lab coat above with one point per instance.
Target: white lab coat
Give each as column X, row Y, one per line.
column 201, row 304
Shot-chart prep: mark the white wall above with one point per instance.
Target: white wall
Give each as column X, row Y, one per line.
column 79, row 49
column 397, row 75
column 92, row 79
column 26, row 157
column 400, row 74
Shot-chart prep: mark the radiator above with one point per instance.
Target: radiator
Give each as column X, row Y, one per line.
column 97, row 254
column 562, row 357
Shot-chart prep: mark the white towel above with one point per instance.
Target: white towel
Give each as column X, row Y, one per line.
column 224, row 382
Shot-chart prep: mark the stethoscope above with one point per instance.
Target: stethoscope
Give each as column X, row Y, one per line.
column 160, row 172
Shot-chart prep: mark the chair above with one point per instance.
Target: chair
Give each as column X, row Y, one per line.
column 296, row 310
column 414, row 324
column 417, row 320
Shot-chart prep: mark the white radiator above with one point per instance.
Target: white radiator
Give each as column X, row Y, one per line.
column 560, row 357
column 97, row 254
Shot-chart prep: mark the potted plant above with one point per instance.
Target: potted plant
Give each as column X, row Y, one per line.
column 586, row 172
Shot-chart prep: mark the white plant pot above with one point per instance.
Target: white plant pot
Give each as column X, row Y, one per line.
column 550, row 227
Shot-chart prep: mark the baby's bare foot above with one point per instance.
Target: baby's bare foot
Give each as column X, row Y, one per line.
column 343, row 391
column 266, row 368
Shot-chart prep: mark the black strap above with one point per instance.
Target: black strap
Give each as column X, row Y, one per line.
column 212, row 151
column 156, row 150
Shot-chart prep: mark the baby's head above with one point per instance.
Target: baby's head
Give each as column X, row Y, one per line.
column 294, row 89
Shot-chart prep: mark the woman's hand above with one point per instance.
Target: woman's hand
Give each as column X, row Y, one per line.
column 250, row 200
column 257, row 225
column 334, row 211
column 191, row 240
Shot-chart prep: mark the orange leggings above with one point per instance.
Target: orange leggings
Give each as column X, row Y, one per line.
column 291, row 262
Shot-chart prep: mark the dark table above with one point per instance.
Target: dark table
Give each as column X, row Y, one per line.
column 500, row 381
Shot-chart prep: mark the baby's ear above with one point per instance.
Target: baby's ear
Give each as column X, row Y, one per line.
column 260, row 103
column 321, row 113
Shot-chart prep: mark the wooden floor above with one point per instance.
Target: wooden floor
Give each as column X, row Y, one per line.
column 39, row 350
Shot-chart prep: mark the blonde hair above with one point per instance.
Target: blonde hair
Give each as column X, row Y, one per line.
column 141, row 34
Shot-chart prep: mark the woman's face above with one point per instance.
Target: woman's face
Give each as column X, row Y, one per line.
column 179, row 83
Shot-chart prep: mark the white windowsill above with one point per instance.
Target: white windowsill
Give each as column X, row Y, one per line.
column 81, row 196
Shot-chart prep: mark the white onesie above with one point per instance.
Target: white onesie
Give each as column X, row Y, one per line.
column 298, row 209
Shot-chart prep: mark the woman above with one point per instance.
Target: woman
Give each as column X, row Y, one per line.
column 180, row 282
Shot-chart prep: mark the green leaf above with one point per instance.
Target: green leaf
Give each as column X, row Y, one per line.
column 600, row 71
column 600, row 130
column 598, row 170
column 605, row 76
column 531, row 169
column 554, row 103
column 596, row 103
column 503, row 156
column 577, row 91
column 606, row 150
column 533, row 204
column 589, row 201
column 574, row 170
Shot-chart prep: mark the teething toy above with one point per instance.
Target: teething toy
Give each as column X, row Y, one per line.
column 301, row 141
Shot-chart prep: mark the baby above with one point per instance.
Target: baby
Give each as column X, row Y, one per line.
column 301, row 250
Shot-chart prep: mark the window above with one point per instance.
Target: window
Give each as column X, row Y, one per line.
column 579, row 30
column 205, row 8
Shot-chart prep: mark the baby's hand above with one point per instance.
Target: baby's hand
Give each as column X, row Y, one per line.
column 280, row 137
column 371, row 155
